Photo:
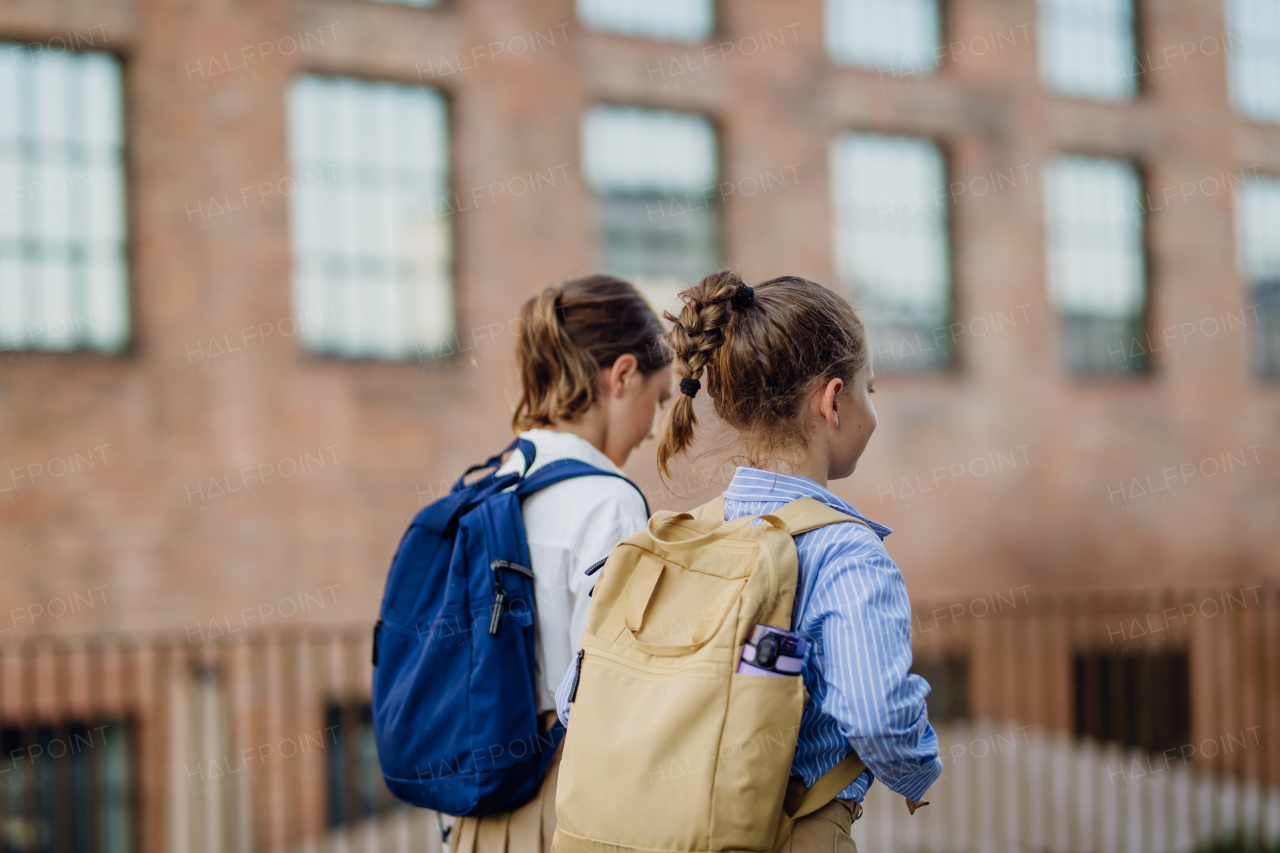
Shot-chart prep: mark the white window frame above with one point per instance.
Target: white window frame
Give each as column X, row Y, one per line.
column 683, row 21
column 892, row 246
column 64, row 276
column 895, row 38
column 370, row 220
column 660, row 169
column 1091, row 64
column 1095, row 261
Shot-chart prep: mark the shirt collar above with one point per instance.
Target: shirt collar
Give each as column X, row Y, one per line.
column 752, row 484
column 553, row 446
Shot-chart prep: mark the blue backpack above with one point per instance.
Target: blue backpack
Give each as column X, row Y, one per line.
column 455, row 713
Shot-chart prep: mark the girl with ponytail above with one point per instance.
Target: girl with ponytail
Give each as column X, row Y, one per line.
column 593, row 372
column 787, row 367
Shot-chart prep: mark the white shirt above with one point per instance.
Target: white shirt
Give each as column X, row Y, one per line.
column 570, row 526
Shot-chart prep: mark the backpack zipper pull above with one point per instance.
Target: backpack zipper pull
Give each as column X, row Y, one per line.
column 499, row 599
column 577, row 674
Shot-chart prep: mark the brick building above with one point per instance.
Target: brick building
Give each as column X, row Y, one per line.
column 260, row 264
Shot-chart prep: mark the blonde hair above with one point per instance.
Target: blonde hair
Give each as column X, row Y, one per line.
column 573, row 331
column 763, row 355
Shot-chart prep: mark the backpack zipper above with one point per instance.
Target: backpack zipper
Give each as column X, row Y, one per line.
column 577, row 674
column 499, row 599
column 596, row 566
column 499, row 593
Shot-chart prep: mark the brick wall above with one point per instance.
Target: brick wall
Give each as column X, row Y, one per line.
column 1031, row 470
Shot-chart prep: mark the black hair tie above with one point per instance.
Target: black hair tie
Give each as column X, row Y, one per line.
column 742, row 298
column 689, row 387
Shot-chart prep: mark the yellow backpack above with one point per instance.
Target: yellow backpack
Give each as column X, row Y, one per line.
column 668, row 748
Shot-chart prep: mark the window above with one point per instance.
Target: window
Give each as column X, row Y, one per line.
column 1141, row 700
column 370, row 235
column 1096, row 272
column 63, row 279
column 893, row 37
column 68, row 787
column 668, row 20
column 1253, row 38
column 948, row 677
column 1087, row 48
column 1258, row 247
column 355, row 785
column 891, row 246
column 656, row 176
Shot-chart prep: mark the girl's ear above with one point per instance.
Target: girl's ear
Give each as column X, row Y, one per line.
column 623, row 373
column 829, row 401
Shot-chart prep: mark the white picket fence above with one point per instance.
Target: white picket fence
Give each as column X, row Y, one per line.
column 1004, row 789
column 404, row 829
column 1012, row 788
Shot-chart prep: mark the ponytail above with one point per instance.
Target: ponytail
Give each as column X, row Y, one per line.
column 763, row 350
column 695, row 337
column 572, row 332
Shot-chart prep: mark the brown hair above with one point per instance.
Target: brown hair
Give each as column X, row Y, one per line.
column 572, row 332
column 764, row 356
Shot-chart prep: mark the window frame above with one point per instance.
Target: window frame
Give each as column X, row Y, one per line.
column 713, row 31
column 598, row 196
column 1232, row 74
column 128, row 346
column 1136, row 40
column 1141, row 323
column 941, row 57
column 1258, row 365
column 418, row 359
column 952, row 359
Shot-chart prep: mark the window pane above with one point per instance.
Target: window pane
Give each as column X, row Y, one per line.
column 63, row 275
column 656, row 174
column 948, row 677
column 891, row 246
column 1139, row 700
column 1095, row 267
column 627, row 150
column 368, row 222
column 76, row 789
column 1258, row 246
column 1253, row 37
column 669, row 20
column 355, row 786
column 890, row 36
column 1087, row 48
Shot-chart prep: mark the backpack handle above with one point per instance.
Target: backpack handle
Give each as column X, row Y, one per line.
column 719, row 531
column 639, row 592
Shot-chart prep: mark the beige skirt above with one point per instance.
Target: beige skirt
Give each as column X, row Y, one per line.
column 828, row 830
column 528, row 829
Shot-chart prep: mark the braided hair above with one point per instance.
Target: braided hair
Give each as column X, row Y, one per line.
column 764, row 351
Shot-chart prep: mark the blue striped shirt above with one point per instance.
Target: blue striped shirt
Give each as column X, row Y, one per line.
column 852, row 608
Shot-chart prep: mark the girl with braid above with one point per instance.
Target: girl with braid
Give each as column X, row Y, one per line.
column 788, row 369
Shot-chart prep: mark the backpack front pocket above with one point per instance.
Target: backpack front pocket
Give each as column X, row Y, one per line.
column 754, row 761
column 652, row 751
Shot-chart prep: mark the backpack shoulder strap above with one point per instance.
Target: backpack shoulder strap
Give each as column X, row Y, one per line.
column 568, row 469
column 807, row 514
column 830, row 784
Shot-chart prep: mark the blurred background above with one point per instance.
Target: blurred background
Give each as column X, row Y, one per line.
column 260, row 267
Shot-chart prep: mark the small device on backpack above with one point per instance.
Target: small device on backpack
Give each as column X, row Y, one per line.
column 772, row 651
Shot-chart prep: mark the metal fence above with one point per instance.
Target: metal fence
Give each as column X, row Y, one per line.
column 1068, row 722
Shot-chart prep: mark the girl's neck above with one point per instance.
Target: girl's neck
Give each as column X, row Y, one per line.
column 589, row 426
column 809, row 463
